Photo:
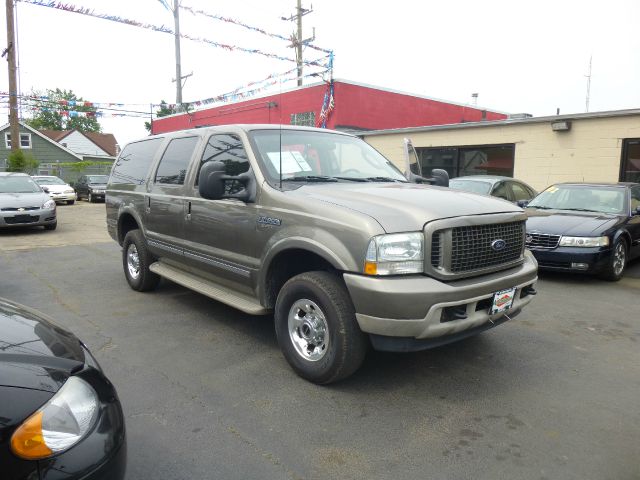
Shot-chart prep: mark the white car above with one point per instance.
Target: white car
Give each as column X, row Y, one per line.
column 57, row 189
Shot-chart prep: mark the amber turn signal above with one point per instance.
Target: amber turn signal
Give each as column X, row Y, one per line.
column 28, row 441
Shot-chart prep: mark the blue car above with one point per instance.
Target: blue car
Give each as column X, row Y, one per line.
column 585, row 227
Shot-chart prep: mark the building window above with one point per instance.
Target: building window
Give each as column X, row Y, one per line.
column 25, row 140
column 461, row 161
column 630, row 163
column 306, row 119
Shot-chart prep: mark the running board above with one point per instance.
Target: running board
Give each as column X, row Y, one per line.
column 218, row 292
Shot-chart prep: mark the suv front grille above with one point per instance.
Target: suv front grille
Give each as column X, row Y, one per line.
column 542, row 240
column 474, row 247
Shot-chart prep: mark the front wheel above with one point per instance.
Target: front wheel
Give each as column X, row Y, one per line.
column 136, row 259
column 317, row 329
column 90, row 198
column 617, row 262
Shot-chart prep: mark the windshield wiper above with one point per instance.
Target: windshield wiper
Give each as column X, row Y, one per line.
column 540, row 207
column 310, row 178
column 353, row 179
column 382, row 179
column 578, row 209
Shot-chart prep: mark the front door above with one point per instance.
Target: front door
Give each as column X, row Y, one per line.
column 220, row 234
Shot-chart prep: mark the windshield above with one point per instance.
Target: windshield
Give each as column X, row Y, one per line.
column 319, row 156
column 582, row 198
column 473, row 186
column 49, row 181
column 18, row 184
column 98, row 179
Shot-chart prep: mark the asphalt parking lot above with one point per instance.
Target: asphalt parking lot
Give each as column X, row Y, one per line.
column 552, row 394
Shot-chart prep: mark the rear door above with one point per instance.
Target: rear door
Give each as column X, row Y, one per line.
column 164, row 201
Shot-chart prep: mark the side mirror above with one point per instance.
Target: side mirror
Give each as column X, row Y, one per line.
column 522, row 203
column 440, row 177
column 45, row 189
column 637, row 212
column 212, row 183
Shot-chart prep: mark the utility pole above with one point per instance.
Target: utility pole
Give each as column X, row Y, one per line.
column 13, row 88
column 589, row 83
column 178, row 79
column 296, row 40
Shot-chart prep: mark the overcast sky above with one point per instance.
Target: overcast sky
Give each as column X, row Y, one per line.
column 519, row 56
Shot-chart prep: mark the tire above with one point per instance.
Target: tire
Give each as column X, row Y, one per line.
column 70, row 202
column 51, row 226
column 316, row 328
column 136, row 259
column 618, row 261
column 90, row 198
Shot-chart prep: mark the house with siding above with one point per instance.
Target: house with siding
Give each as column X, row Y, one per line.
column 57, row 151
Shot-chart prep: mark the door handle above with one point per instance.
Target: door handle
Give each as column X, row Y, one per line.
column 147, row 208
column 188, row 216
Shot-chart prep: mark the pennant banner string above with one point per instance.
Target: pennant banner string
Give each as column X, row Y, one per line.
column 249, row 27
column 114, row 18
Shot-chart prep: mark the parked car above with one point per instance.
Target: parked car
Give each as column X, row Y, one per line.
column 57, row 188
column 91, row 187
column 60, row 416
column 506, row 188
column 24, row 203
column 585, row 227
column 319, row 228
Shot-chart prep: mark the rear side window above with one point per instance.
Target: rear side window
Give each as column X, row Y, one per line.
column 175, row 161
column 133, row 164
column 520, row 192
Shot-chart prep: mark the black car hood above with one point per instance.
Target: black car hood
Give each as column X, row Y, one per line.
column 563, row 222
column 34, row 352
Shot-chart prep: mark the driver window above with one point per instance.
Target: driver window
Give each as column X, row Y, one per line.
column 228, row 149
column 500, row 191
column 635, row 198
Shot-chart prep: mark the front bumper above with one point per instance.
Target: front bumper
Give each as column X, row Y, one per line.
column 412, row 307
column 574, row 259
column 63, row 197
column 28, row 218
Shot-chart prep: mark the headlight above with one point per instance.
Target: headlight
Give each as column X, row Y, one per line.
column 58, row 424
column 584, row 241
column 394, row 254
column 69, row 191
column 49, row 205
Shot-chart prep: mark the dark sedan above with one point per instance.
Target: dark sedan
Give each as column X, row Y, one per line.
column 506, row 188
column 60, row 417
column 585, row 227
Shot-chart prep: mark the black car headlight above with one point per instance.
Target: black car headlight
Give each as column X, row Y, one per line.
column 584, row 241
column 59, row 424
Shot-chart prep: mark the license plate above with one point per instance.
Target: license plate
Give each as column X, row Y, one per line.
column 22, row 218
column 502, row 301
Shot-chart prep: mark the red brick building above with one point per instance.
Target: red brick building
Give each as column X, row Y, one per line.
column 355, row 107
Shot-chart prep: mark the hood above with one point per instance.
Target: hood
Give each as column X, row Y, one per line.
column 404, row 207
column 23, row 200
column 57, row 188
column 558, row 222
column 34, row 352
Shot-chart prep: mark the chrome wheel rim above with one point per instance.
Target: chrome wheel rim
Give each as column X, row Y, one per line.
column 308, row 330
column 619, row 258
column 133, row 261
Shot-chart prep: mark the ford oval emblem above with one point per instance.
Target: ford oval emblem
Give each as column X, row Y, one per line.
column 498, row 245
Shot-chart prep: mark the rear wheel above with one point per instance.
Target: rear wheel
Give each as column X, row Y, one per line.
column 617, row 262
column 136, row 259
column 317, row 329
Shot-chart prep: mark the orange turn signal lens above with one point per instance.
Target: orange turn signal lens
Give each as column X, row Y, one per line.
column 370, row 268
column 28, row 441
